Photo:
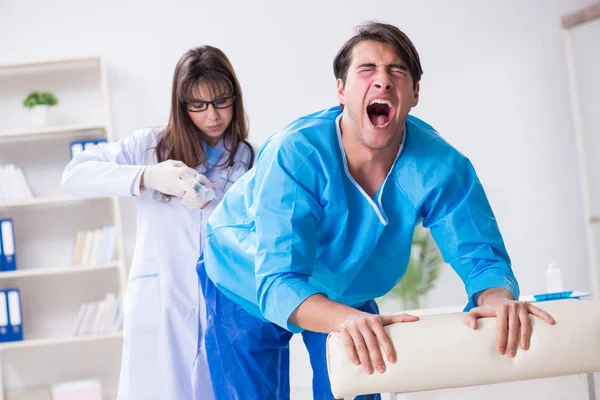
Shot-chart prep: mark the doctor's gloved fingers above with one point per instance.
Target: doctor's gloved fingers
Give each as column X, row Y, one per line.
column 187, row 183
column 177, row 168
column 164, row 177
column 194, row 202
column 173, row 163
column 204, row 180
column 190, row 205
column 185, row 171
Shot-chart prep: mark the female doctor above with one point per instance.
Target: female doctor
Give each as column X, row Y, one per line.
column 203, row 143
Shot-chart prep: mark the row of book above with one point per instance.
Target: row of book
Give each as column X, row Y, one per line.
column 94, row 318
column 15, row 186
column 95, row 246
column 97, row 317
column 92, row 247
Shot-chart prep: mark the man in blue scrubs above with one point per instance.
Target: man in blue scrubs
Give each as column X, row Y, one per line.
column 323, row 225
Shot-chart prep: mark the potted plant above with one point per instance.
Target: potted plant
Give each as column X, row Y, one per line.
column 422, row 271
column 39, row 103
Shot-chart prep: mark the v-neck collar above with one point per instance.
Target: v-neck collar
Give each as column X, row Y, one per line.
column 377, row 206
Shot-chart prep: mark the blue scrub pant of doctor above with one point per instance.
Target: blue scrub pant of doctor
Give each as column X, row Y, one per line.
column 249, row 358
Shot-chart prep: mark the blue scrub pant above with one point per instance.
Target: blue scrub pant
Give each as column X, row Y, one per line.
column 249, row 358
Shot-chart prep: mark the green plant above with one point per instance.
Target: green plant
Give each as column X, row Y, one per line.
column 422, row 271
column 36, row 98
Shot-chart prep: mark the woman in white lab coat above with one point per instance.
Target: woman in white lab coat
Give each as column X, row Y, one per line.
column 203, row 142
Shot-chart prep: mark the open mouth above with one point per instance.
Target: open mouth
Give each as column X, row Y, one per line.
column 380, row 113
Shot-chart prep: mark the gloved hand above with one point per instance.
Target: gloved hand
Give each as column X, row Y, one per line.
column 199, row 191
column 164, row 177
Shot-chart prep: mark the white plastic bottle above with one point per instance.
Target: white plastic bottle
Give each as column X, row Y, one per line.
column 554, row 283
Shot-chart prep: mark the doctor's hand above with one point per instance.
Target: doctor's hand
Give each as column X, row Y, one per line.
column 164, row 177
column 513, row 321
column 199, row 191
column 363, row 334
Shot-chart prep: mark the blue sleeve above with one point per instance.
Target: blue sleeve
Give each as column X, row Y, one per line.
column 464, row 227
column 286, row 218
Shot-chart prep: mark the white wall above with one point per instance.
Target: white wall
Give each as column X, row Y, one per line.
column 495, row 85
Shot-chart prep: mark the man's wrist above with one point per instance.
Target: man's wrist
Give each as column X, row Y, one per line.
column 494, row 295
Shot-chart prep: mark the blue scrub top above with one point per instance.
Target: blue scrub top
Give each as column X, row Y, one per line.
column 298, row 224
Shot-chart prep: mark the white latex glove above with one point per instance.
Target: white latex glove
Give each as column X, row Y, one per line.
column 164, row 177
column 199, row 191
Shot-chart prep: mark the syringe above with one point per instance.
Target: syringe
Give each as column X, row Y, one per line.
column 202, row 190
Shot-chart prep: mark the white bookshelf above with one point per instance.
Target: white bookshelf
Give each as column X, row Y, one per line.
column 41, row 202
column 52, row 288
column 36, row 344
column 41, row 272
column 61, row 64
column 52, row 132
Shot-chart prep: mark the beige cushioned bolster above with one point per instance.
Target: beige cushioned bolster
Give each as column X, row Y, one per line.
column 440, row 351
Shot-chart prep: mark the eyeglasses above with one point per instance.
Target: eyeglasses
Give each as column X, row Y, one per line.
column 218, row 104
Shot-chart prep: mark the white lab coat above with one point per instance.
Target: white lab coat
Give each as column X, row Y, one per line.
column 163, row 304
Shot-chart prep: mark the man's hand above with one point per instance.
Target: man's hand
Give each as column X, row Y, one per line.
column 362, row 334
column 512, row 316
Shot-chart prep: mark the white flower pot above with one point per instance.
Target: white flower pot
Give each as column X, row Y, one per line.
column 39, row 115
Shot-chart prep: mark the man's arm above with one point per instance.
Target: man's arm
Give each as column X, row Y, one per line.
column 319, row 314
column 285, row 217
column 465, row 229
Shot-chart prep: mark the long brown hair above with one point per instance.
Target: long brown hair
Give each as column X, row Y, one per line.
column 181, row 139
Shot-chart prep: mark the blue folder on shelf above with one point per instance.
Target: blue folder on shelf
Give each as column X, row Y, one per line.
column 3, row 316
column 15, row 317
column 80, row 145
column 1, row 254
column 11, row 322
column 8, row 261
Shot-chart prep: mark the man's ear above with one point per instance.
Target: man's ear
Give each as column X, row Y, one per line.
column 416, row 98
column 340, row 91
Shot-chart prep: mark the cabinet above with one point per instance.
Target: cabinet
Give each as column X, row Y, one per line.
column 52, row 288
